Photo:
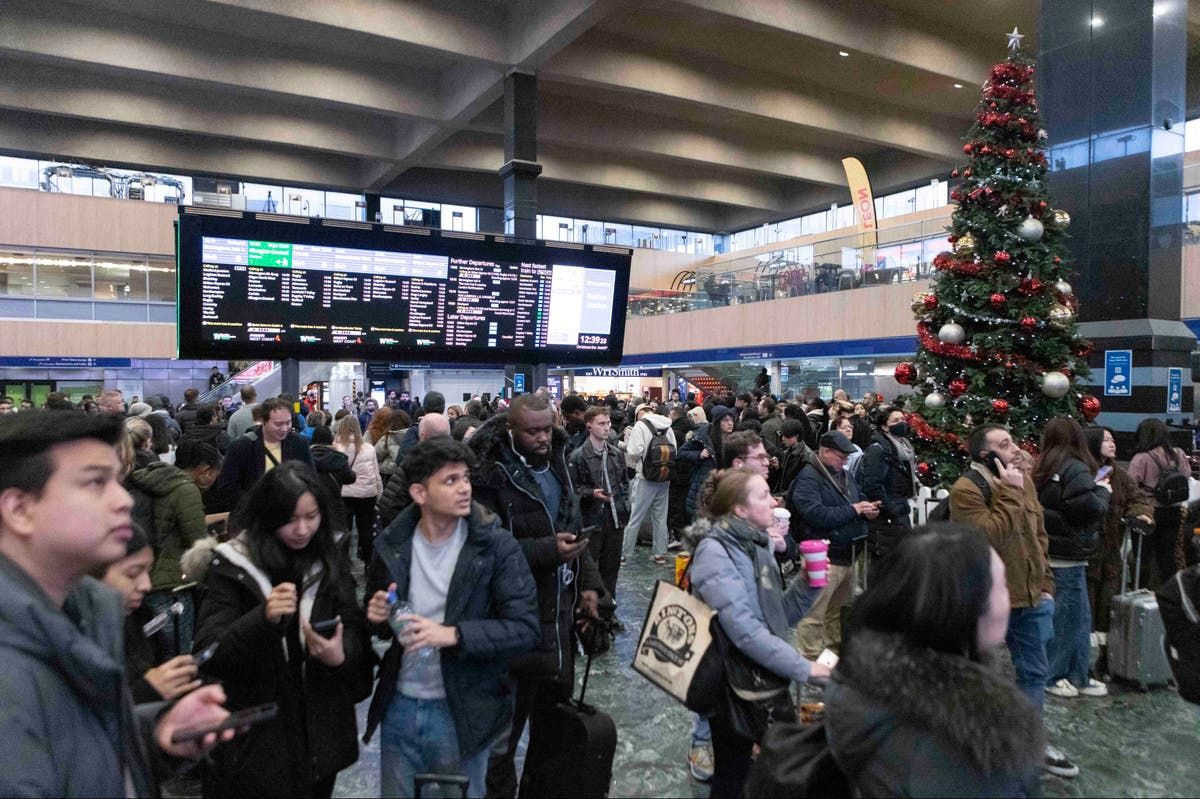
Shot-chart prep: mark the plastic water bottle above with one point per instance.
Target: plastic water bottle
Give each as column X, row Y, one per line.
column 400, row 608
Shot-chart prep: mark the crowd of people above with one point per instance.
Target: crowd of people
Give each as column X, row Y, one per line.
column 492, row 537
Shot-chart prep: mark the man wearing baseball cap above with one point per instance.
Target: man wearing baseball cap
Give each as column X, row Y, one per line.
column 831, row 507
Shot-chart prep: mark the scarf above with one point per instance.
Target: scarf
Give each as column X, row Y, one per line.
column 736, row 532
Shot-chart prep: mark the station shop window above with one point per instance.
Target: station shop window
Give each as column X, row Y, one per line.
column 62, row 275
column 120, row 278
column 16, row 274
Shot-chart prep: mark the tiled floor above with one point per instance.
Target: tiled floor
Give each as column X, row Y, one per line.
column 1127, row 744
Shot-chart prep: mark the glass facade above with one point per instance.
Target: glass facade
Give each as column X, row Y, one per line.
column 102, row 277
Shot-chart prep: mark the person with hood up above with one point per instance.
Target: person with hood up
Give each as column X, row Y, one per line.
column 733, row 571
column 703, row 451
column 649, row 497
column 919, row 704
column 208, row 429
column 333, row 467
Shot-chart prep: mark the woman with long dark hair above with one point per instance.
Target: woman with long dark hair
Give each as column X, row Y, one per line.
column 267, row 589
column 918, row 705
column 1075, row 499
column 1153, row 452
column 1128, row 499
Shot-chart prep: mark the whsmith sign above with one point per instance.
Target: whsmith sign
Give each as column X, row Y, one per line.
column 619, row 371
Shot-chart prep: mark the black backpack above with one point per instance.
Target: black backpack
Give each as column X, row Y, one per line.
column 796, row 760
column 658, row 463
column 941, row 512
column 1178, row 600
column 1172, row 485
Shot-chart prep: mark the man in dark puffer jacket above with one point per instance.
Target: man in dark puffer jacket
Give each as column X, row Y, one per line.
column 523, row 478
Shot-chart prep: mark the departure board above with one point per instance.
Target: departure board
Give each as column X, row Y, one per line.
column 250, row 288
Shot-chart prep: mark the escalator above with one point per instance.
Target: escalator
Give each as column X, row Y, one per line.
column 341, row 378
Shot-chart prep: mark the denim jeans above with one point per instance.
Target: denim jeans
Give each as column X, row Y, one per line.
column 701, row 730
column 1028, row 631
column 1068, row 651
column 418, row 737
column 651, row 498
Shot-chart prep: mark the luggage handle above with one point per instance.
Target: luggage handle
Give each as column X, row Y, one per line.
column 1132, row 524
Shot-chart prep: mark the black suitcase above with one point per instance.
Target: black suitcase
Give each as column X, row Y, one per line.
column 572, row 754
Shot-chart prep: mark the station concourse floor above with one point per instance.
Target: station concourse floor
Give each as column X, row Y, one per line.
column 1126, row 744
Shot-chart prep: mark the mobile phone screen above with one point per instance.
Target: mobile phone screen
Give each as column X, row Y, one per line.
column 1105, row 471
column 326, row 628
column 205, row 654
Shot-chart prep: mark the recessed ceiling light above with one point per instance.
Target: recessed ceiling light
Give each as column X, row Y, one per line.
column 1097, row 21
column 958, row 85
column 1160, row 9
column 843, row 54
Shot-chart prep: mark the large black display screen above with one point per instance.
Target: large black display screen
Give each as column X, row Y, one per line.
column 255, row 288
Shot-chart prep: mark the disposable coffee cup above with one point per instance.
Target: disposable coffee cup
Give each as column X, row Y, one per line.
column 816, row 559
column 782, row 514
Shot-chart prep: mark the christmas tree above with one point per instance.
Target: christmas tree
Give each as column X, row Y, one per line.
column 998, row 340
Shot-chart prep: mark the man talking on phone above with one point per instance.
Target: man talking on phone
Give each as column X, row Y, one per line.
column 997, row 497
column 68, row 723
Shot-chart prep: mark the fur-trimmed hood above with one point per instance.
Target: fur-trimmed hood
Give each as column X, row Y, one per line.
column 705, row 527
column 887, row 692
column 194, row 563
column 490, row 441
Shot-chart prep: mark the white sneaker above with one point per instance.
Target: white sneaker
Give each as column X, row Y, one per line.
column 1057, row 763
column 700, row 762
column 1093, row 688
column 1063, row 689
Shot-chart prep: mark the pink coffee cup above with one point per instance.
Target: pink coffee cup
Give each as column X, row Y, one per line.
column 816, row 561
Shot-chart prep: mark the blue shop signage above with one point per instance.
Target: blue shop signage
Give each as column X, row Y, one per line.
column 1118, row 373
column 54, row 362
column 1175, row 390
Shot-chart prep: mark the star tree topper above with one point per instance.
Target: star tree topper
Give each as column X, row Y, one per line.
column 1014, row 39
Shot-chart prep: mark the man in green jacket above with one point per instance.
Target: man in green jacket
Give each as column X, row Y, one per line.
column 67, row 722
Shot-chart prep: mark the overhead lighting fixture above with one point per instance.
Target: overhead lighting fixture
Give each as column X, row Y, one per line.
column 958, row 85
column 843, row 54
column 1160, row 9
column 1097, row 21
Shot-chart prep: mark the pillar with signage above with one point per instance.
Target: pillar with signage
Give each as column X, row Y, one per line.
column 1118, row 171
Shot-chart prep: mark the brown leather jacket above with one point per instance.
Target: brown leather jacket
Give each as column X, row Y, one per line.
column 1016, row 529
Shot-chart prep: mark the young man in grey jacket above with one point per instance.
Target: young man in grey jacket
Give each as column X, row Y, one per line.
column 68, row 724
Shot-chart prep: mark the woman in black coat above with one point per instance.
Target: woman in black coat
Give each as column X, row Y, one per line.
column 266, row 588
column 1075, row 500
column 886, row 475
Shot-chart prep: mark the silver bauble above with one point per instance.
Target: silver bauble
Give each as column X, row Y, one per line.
column 1030, row 229
column 951, row 333
column 1063, row 288
column 1055, row 385
column 934, row 399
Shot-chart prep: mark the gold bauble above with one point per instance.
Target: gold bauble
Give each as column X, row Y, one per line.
column 1060, row 316
column 1061, row 218
column 965, row 245
column 920, row 302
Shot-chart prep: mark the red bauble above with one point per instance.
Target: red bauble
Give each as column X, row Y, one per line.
column 924, row 469
column 1030, row 285
column 1010, row 153
column 956, row 195
column 967, row 148
column 1028, row 324
column 998, row 300
column 954, row 173
column 1002, row 257
column 905, row 373
column 1089, row 406
column 984, row 150
column 958, row 387
column 1057, row 260
column 1030, row 446
column 1000, row 407
column 930, row 302
column 966, row 173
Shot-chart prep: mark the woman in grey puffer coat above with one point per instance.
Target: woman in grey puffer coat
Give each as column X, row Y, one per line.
column 734, row 572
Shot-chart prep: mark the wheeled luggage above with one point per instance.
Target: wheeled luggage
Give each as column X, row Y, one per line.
column 1135, row 633
column 571, row 753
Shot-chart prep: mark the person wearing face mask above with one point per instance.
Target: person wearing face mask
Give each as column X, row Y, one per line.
column 152, row 676
column 887, row 476
column 935, row 618
column 265, row 591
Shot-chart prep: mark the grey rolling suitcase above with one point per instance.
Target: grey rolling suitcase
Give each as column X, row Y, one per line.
column 1135, row 633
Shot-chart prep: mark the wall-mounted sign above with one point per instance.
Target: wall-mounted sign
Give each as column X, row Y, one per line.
column 52, row 362
column 1174, row 390
column 618, row 371
column 1118, row 373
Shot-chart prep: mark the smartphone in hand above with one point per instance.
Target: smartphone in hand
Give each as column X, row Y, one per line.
column 1104, row 472
column 325, row 628
column 242, row 718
